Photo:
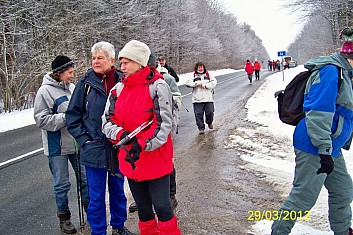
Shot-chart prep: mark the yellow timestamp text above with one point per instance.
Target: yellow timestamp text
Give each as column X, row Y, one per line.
column 257, row 215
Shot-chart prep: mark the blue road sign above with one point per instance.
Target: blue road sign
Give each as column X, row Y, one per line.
column 281, row 53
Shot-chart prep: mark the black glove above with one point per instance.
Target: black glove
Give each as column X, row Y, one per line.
column 134, row 154
column 124, row 134
column 327, row 164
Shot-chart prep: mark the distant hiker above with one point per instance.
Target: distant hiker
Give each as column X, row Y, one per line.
column 84, row 122
column 269, row 65
column 257, row 68
column 278, row 63
column 171, row 71
column 50, row 105
column 249, row 69
column 318, row 139
column 203, row 84
column 274, row 64
column 147, row 160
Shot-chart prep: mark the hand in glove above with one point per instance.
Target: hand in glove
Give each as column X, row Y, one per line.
column 124, row 134
column 134, row 154
column 327, row 164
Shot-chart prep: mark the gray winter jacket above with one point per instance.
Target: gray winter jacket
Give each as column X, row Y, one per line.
column 50, row 105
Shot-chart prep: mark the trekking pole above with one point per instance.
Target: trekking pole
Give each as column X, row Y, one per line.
column 184, row 106
column 79, row 193
column 127, row 138
column 132, row 134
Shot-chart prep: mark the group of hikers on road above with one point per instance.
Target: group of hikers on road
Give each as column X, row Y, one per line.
column 83, row 124
column 88, row 123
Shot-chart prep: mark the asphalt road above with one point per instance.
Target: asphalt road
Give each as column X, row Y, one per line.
column 26, row 201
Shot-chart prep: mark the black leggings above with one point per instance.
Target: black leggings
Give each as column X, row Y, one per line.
column 151, row 194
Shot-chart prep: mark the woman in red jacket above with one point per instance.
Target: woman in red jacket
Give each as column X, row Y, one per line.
column 249, row 69
column 146, row 161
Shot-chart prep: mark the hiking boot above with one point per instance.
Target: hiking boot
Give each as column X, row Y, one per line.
column 173, row 202
column 201, row 131
column 122, row 231
column 65, row 224
column 210, row 126
column 133, row 207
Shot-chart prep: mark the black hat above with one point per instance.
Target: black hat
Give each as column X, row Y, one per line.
column 152, row 61
column 61, row 63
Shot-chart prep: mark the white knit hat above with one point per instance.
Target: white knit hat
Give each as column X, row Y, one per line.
column 161, row 69
column 136, row 51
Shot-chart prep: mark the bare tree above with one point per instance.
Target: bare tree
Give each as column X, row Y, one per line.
column 33, row 32
column 325, row 19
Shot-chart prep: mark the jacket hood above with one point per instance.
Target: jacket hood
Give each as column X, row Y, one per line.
column 142, row 77
column 334, row 59
column 48, row 80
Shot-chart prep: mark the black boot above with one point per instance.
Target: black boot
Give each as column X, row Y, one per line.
column 65, row 224
column 133, row 207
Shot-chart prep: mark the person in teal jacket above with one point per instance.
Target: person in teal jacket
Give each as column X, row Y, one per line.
column 318, row 140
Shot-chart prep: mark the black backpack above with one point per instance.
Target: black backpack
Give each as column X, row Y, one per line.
column 291, row 99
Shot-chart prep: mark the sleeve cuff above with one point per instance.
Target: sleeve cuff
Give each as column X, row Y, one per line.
column 118, row 136
column 325, row 150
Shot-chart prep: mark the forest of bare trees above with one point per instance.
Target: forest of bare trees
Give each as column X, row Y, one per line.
column 33, row 32
column 324, row 21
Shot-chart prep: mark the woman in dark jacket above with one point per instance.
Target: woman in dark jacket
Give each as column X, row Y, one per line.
column 83, row 119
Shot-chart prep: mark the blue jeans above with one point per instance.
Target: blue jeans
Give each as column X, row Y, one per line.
column 96, row 214
column 59, row 168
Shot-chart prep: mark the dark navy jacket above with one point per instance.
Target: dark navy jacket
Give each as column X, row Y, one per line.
column 84, row 122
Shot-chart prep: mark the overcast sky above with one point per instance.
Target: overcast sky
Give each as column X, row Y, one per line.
column 275, row 25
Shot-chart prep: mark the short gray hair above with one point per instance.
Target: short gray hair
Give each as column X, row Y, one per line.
column 106, row 47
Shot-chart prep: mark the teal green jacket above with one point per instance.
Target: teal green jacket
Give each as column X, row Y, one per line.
column 328, row 123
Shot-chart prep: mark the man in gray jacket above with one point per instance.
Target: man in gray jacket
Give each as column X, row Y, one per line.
column 50, row 105
column 318, row 141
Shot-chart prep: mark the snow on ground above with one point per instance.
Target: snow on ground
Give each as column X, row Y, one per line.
column 18, row 119
column 276, row 160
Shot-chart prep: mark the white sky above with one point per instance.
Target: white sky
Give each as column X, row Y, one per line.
column 276, row 26
column 275, row 159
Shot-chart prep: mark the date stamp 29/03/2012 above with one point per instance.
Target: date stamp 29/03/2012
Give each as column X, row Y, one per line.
column 257, row 215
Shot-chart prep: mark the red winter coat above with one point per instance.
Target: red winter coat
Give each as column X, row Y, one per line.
column 249, row 68
column 257, row 65
column 129, row 105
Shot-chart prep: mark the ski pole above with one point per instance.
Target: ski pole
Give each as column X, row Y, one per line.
column 127, row 138
column 132, row 134
column 79, row 193
column 184, row 106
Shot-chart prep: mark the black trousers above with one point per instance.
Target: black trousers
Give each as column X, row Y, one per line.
column 149, row 194
column 257, row 74
column 203, row 109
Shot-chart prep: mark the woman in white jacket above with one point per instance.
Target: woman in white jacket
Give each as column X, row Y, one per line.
column 203, row 84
